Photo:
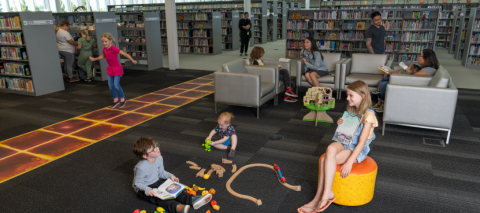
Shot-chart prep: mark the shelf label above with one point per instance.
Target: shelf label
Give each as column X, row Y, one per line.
column 152, row 19
column 265, row 15
column 216, row 17
column 38, row 22
column 284, row 15
column 106, row 20
column 235, row 16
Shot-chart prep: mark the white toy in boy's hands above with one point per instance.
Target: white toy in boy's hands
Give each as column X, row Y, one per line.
column 403, row 65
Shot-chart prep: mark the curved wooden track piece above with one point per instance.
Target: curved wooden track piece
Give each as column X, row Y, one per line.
column 201, row 173
column 257, row 201
column 192, row 163
column 234, row 169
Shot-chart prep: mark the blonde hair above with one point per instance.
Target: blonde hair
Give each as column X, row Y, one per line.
column 85, row 32
column 361, row 88
column 109, row 37
column 227, row 117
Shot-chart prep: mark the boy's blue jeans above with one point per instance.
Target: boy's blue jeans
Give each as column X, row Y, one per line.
column 383, row 87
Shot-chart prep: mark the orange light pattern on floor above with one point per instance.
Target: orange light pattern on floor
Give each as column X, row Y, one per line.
column 31, row 150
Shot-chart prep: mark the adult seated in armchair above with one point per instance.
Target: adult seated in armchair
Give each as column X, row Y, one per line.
column 428, row 63
column 312, row 59
column 257, row 54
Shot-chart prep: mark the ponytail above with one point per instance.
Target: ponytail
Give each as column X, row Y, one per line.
column 85, row 32
column 109, row 37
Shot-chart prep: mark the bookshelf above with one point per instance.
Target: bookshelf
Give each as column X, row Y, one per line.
column 230, row 31
column 471, row 56
column 444, row 32
column 199, row 33
column 281, row 20
column 259, row 21
column 342, row 31
column 272, row 20
column 30, row 59
column 458, row 15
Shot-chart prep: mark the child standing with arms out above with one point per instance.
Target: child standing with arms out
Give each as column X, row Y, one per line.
column 85, row 45
column 114, row 69
column 228, row 136
column 149, row 173
column 359, row 101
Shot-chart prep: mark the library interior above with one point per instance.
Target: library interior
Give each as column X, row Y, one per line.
column 149, row 123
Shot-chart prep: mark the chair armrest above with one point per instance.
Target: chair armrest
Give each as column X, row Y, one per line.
column 345, row 69
column 300, row 71
column 410, row 80
column 285, row 65
column 338, row 67
column 420, row 105
column 237, row 88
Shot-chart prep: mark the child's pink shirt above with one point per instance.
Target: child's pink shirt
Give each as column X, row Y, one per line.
column 114, row 67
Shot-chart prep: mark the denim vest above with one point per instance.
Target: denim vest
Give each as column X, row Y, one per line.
column 356, row 138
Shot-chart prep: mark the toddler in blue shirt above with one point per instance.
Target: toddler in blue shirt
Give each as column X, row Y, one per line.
column 228, row 136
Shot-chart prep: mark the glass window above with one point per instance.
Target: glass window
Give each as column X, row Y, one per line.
column 102, row 5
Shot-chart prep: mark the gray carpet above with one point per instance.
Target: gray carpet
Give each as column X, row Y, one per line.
column 412, row 177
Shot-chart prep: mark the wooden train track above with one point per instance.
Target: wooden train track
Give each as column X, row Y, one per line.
column 257, row 201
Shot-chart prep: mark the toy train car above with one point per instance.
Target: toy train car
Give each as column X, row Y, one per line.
column 277, row 168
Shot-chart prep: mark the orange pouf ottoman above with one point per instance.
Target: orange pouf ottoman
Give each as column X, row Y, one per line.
column 357, row 189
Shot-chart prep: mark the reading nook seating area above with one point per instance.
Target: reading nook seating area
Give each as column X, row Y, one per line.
column 63, row 148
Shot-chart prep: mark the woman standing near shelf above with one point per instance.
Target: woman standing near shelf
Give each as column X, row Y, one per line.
column 312, row 59
column 114, row 69
column 85, row 46
column 245, row 33
column 66, row 48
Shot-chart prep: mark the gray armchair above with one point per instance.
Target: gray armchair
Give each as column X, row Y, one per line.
column 421, row 101
column 333, row 61
column 244, row 85
column 362, row 67
column 274, row 64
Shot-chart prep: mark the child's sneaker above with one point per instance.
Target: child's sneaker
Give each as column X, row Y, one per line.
column 201, row 201
column 115, row 104
column 379, row 110
column 376, row 106
column 376, row 92
column 289, row 99
column 290, row 93
column 182, row 208
column 122, row 104
column 231, row 153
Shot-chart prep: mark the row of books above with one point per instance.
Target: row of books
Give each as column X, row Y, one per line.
column 293, row 53
column 475, row 38
column 131, row 25
column 12, row 23
column 473, row 60
column 135, row 40
column 212, row 6
column 202, row 33
column 418, row 25
column 227, row 46
column 257, row 28
column 204, row 50
column 358, row 35
column 257, row 40
column 391, row 14
column 257, row 23
column 226, row 31
column 14, row 53
column 325, row 15
column 412, row 36
column 201, row 16
column 258, row 34
column 255, row 5
column 406, row 47
column 355, row 15
column 19, row 69
column 474, row 50
column 131, row 17
column 256, row 10
column 444, row 30
column 19, row 84
column 133, row 48
column 351, row 46
column 294, row 25
column 226, row 23
column 476, row 25
column 298, row 35
column 327, row 45
column 11, row 38
column 225, row 15
column 295, row 44
column 445, row 23
column 137, row 54
column 183, row 25
column 392, row 24
column 443, row 37
column 227, row 38
column 130, row 33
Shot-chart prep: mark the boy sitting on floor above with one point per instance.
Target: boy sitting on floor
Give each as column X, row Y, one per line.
column 149, row 173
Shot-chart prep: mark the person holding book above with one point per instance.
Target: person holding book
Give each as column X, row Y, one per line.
column 245, row 33
column 66, row 48
column 228, row 135
column 257, row 54
column 427, row 66
column 85, row 46
column 375, row 35
column 312, row 59
column 149, row 173
column 345, row 154
column 114, row 69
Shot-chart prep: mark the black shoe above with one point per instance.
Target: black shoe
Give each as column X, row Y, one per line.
column 122, row 104
column 241, row 54
column 246, row 54
column 115, row 104
column 88, row 80
column 231, row 154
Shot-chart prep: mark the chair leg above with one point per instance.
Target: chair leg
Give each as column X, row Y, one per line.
column 383, row 129
column 275, row 100
column 258, row 112
column 215, row 107
column 448, row 136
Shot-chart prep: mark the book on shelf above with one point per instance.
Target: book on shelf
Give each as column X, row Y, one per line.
column 181, row 17
column 416, row 15
column 346, row 130
column 361, row 25
column 296, row 16
column 350, row 26
column 389, row 37
column 426, row 14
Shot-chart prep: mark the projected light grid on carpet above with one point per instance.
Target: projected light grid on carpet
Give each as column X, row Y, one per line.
column 23, row 153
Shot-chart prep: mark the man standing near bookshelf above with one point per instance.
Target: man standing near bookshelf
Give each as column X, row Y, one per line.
column 375, row 35
column 245, row 33
column 66, row 48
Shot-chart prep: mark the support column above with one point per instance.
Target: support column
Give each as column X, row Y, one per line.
column 172, row 39
column 59, row 6
column 307, row 4
column 247, row 8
